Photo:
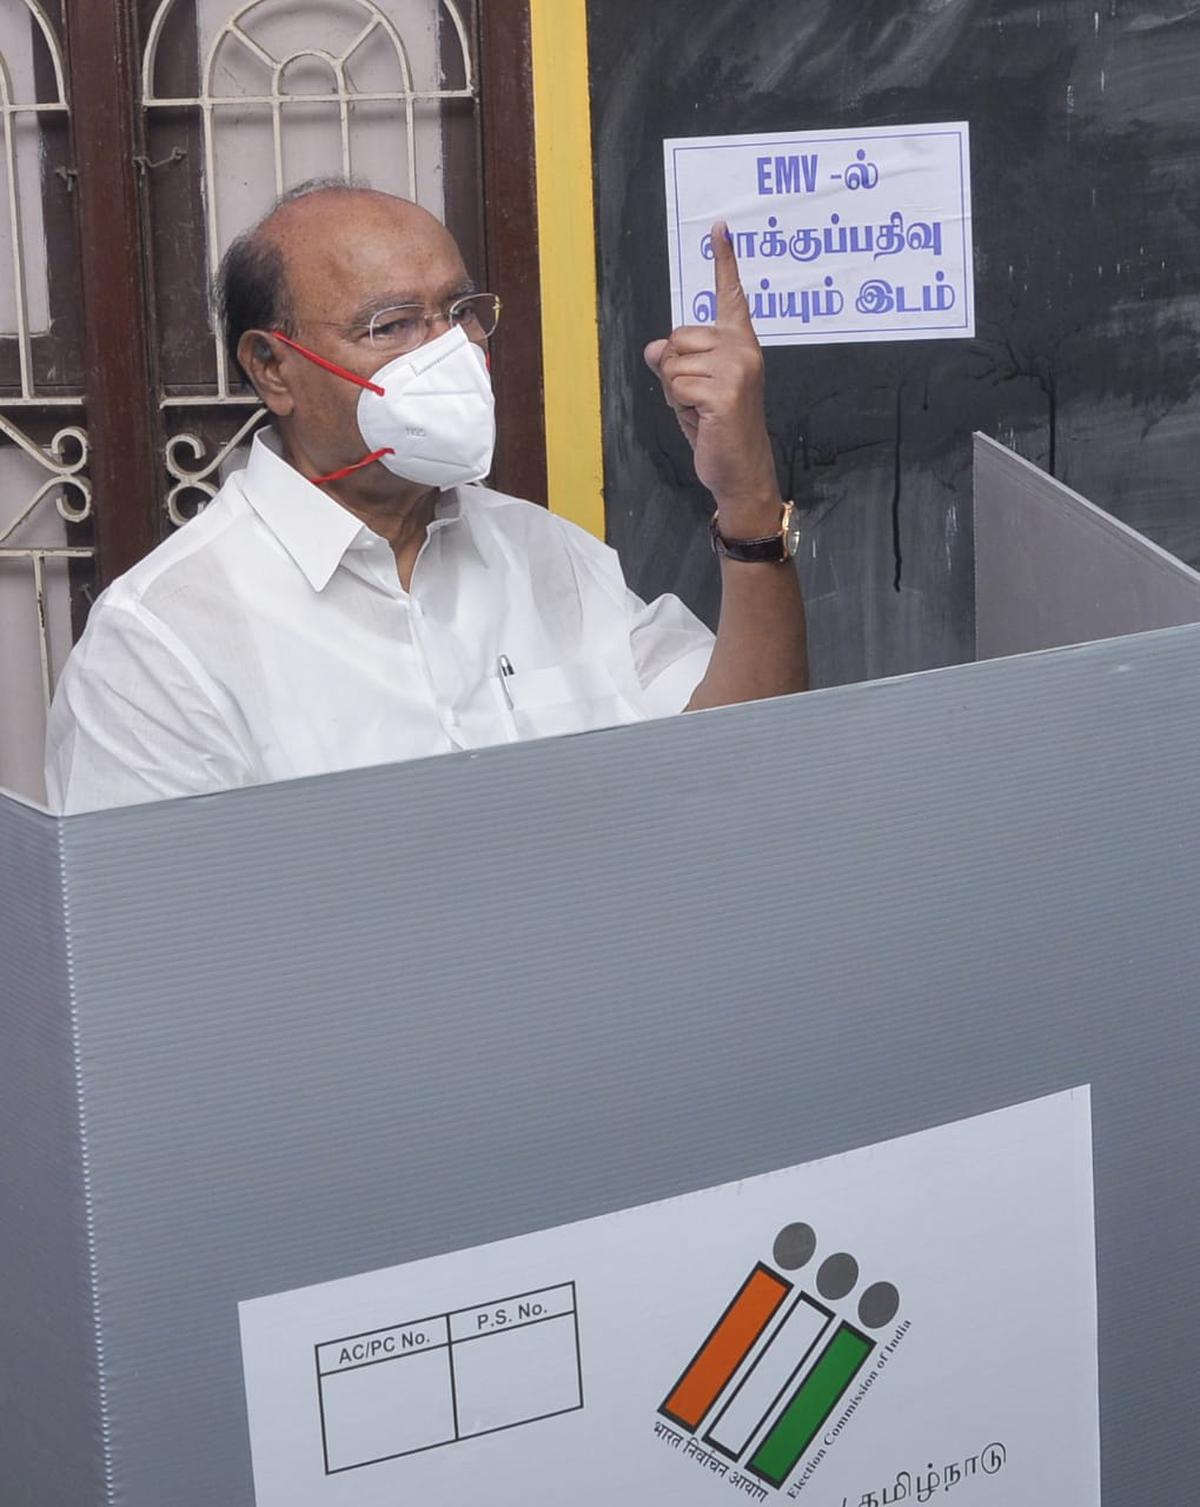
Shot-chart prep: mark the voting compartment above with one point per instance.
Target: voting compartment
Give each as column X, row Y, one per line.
column 1053, row 569
column 700, row 1109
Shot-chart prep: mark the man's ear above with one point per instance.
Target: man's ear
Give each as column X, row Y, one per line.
column 258, row 356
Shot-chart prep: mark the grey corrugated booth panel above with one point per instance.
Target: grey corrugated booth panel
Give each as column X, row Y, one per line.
column 334, row 1024
column 1053, row 569
column 50, row 1445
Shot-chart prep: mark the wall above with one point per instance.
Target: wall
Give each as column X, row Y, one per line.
column 1087, row 234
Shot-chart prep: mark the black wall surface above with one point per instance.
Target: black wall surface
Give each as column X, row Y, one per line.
column 1085, row 127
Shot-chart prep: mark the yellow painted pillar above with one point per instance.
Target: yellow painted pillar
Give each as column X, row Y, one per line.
column 567, row 248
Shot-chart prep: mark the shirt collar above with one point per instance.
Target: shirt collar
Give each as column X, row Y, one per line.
column 314, row 529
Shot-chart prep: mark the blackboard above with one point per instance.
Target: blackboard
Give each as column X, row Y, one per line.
column 1085, row 135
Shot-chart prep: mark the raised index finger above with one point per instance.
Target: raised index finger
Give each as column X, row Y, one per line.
column 731, row 300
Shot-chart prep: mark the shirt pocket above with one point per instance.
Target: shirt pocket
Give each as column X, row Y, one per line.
column 562, row 699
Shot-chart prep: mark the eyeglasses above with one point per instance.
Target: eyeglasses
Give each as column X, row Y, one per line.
column 406, row 326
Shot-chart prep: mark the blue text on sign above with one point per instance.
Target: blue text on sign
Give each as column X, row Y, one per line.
column 787, row 175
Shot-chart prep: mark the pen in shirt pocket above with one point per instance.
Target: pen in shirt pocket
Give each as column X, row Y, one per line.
column 504, row 670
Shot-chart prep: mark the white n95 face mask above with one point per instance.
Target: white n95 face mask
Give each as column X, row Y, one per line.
column 435, row 419
column 428, row 416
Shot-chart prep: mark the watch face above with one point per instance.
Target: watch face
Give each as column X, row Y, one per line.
column 791, row 532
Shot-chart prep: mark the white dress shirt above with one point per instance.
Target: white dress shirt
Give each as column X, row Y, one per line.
column 272, row 638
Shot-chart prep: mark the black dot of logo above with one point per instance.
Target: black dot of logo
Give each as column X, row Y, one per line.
column 794, row 1246
column 837, row 1276
column 878, row 1305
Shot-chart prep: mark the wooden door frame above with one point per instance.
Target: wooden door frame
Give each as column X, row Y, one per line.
column 510, row 220
column 120, row 380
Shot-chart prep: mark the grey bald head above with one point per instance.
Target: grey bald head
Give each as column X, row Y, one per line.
column 254, row 288
column 302, row 291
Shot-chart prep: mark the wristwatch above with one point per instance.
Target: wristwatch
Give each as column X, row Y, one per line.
column 773, row 549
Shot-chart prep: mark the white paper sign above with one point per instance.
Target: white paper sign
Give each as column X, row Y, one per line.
column 840, row 236
column 911, row 1322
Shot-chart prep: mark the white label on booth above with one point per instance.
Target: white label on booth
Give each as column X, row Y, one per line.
column 840, row 235
column 910, row 1322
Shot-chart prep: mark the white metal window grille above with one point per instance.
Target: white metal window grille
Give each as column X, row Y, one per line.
column 287, row 93
column 43, row 483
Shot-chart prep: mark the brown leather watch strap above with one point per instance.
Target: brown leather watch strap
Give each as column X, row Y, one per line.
column 771, row 549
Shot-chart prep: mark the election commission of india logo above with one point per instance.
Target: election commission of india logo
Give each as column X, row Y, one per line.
column 782, row 1370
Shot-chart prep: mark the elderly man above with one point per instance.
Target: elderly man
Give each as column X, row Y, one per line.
column 353, row 596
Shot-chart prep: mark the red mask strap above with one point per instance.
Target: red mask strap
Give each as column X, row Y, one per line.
column 338, row 371
column 367, row 460
column 330, row 366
